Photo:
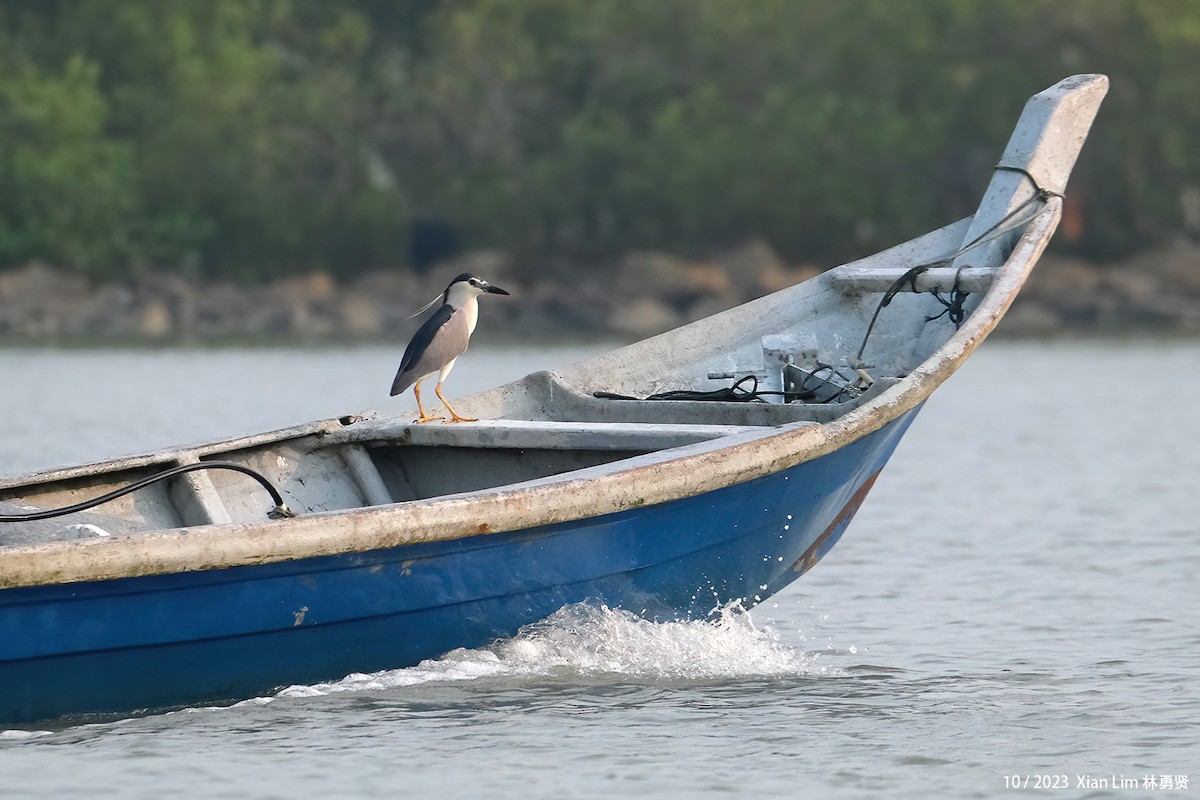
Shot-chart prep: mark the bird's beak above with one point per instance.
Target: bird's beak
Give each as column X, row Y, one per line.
column 494, row 289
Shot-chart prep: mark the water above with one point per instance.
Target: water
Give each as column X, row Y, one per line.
column 1017, row 597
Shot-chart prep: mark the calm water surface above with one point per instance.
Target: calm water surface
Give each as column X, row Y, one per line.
column 1018, row 597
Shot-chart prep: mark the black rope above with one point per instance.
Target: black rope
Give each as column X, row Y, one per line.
column 280, row 510
column 736, row 393
column 807, row 394
column 954, row 306
column 1028, row 176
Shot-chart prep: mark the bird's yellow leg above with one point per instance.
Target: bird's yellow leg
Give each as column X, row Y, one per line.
column 424, row 417
column 454, row 417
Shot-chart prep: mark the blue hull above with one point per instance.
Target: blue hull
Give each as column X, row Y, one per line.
column 220, row 635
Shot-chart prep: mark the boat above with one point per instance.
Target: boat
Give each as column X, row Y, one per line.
column 708, row 466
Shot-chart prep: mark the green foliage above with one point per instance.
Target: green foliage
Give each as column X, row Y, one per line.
column 254, row 138
column 66, row 186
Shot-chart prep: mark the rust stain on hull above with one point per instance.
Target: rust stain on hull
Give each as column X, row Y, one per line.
column 810, row 558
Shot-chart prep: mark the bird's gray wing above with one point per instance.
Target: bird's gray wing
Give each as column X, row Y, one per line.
column 443, row 337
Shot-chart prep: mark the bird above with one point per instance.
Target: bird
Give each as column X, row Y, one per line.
column 443, row 337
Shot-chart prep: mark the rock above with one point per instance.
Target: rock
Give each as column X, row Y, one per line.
column 397, row 294
column 387, row 285
column 154, row 320
column 649, row 273
column 643, row 293
column 751, row 268
column 38, row 300
column 803, row 272
column 708, row 279
column 1030, row 318
column 673, row 280
column 587, row 305
column 109, row 309
column 359, row 315
column 303, row 302
column 305, row 290
column 38, row 283
column 644, row 316
column 1178, row 267
column 223, row 309
column 1134, row 288
column 707, row 306
column 1056, row 278
column 176, row 293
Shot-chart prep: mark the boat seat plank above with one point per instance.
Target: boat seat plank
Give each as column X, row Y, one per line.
column 196, row 500
column 365, row 473
column 936, row 279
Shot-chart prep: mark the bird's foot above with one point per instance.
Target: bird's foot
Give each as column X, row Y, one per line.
column 457, row 418
column 425, row 418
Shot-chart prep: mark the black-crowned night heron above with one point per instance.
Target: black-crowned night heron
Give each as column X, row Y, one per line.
column 442, row 339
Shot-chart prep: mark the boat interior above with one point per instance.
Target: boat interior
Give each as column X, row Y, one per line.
column 334, row 465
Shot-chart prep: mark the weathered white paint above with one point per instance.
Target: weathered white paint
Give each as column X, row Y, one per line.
column 1046, row 142
column 937, row 279
column 542, row 435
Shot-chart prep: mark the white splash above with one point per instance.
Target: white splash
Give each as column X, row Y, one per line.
column 588, row 641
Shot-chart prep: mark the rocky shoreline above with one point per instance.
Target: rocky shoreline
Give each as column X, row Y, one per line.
column 639, row 295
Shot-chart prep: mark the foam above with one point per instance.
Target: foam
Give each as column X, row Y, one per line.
column 588, row 641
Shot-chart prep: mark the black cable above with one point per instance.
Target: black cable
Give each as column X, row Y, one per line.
column 280, row 510
column 1028, row 176
column 908, row 277
column 734, row 393
column 954, row 308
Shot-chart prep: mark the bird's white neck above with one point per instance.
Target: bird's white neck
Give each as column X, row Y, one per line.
column 471, row 309
column 465, row 297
